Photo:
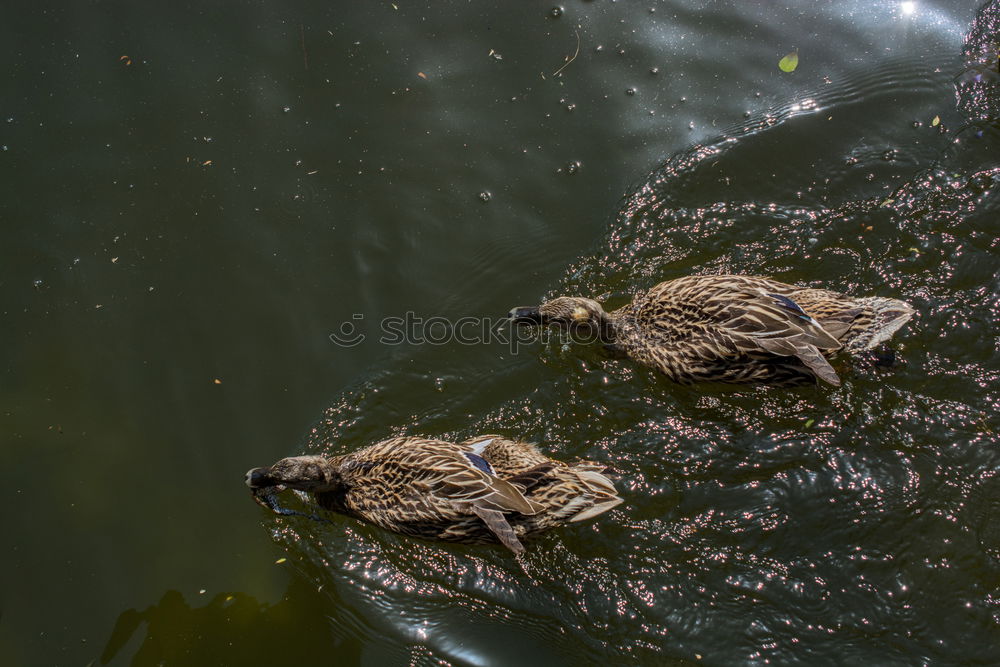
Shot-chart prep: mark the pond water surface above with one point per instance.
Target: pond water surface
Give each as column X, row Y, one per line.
column 198, row 197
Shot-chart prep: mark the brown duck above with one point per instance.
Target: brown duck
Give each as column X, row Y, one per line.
column 739, row 329
column 486, row 489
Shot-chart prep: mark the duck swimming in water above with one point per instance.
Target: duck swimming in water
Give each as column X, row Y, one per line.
column 738, row 329
column 486, row 489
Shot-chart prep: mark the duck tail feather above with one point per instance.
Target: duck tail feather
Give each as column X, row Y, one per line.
column 597, row 482
column 889, row 315
column 597, row 508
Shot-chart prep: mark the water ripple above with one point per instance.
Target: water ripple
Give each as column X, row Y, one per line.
column 760, row 525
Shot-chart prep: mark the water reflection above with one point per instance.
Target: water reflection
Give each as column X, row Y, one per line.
column 231, row 629
column 759, row 524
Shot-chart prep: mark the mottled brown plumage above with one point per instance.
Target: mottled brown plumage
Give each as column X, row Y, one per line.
column 740, row 329
column 486, row 489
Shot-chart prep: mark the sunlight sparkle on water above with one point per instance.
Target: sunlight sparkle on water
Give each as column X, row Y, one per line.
column 907, row 7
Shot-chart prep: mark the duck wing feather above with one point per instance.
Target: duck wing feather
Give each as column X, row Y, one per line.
column 460, row 479
column 499, row 526
column 532, row 477
column 464, row 479
column 757, row 320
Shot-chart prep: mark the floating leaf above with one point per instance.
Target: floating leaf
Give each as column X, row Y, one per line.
column 789, row 62
column 280, row 561
column 810, row 422
column 421, row 75
column 887, row 202
column 936, row 121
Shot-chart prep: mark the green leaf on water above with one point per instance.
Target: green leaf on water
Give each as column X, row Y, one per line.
column 789, row 62
column 810, row 422
column 936, row 121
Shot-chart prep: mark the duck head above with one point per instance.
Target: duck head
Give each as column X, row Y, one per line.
column 573, row 313
column 314, row 474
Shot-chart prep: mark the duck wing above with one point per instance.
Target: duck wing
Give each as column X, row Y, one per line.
column 471, row 485
column 758, row 320
column 467, row 481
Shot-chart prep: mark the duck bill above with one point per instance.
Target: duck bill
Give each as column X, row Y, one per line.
column 264, row 489
column 530, row 316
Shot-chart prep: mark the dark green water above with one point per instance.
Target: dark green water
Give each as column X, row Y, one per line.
column 198, row 194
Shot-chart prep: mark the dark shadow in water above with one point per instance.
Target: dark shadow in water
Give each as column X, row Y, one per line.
column 231, row 629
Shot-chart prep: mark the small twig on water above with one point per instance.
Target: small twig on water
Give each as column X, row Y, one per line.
column 575, row 54
column 305, row 56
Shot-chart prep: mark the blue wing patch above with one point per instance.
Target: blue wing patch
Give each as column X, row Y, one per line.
column 790, row 305
column 479, row 462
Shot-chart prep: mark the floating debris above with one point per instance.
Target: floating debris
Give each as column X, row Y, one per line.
column 570, row 59
column 789, row 62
